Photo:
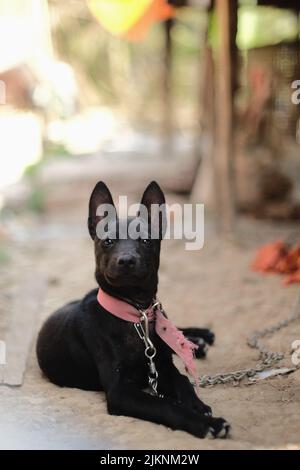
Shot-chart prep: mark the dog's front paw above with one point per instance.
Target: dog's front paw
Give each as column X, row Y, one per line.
column 219, row 429
column 203, row 334
column 202, row 337
column 200, row 408
column 199, row 334
column 201, row 351
column 207, row 335
column 208, row 427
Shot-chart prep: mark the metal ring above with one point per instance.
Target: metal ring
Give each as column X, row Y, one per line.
column 150, row 356
column 153, row 375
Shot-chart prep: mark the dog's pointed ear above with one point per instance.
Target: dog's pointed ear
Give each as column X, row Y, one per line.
column 154, row 201
column 100, row 195
column 153, row 194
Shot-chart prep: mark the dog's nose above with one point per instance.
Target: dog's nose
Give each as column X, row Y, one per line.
column 126, row 261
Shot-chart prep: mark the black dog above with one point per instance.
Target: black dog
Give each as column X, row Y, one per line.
column 82, row 345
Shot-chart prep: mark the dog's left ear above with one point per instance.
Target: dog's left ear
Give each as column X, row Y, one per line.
column 153, row 198
column 100, row 196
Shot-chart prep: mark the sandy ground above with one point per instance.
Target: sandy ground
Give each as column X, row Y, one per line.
column 213, row 287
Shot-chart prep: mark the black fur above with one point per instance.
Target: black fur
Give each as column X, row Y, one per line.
column 82, row 345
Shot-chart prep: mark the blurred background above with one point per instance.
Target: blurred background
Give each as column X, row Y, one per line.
column 196, row 94
column 97, row 86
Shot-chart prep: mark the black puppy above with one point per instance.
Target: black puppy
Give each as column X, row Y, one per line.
column 83, row 345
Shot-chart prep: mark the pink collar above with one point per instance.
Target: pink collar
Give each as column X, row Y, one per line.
column 120, row 308
column 165, row 329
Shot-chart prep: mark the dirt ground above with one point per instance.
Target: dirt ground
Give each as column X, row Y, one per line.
column 213, row 287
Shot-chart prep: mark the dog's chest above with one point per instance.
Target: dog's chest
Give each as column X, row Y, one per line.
column 134, row 346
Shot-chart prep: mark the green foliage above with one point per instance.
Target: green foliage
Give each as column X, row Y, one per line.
column 263, row 26
column 4, row 254
column 260, row 26
column 55, row 150
column 36, row 200
column 51, row 150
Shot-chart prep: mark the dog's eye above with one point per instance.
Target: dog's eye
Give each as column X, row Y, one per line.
column 146, row 241
column 108, row 242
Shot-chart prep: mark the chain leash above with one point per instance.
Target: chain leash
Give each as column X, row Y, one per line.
column 268, row 358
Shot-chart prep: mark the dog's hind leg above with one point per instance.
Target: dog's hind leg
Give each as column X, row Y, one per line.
column 70, row 368
column 62, row 356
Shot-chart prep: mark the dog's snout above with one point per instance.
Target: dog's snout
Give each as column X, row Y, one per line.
column 127, row 261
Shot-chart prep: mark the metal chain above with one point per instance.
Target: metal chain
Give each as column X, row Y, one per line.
column 150, row 351
column 268, row 358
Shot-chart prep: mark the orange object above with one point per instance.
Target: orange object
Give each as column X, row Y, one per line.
column 292, row 278
column 268, row 257
column 278, row 257
column 159, row 10
column 130, row 19
column 290, row 262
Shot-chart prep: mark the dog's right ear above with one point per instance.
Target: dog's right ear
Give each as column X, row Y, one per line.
column 153, row 195
column 100, row 195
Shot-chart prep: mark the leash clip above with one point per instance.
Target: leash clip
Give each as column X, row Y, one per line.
column 142, row 329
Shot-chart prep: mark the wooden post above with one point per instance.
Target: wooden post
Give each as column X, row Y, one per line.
column 226, row 13
column 167, row 78
column 203, row 189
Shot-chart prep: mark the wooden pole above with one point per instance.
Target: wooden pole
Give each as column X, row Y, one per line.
column 226, row 13
column 167, row 78
column 204, row 185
